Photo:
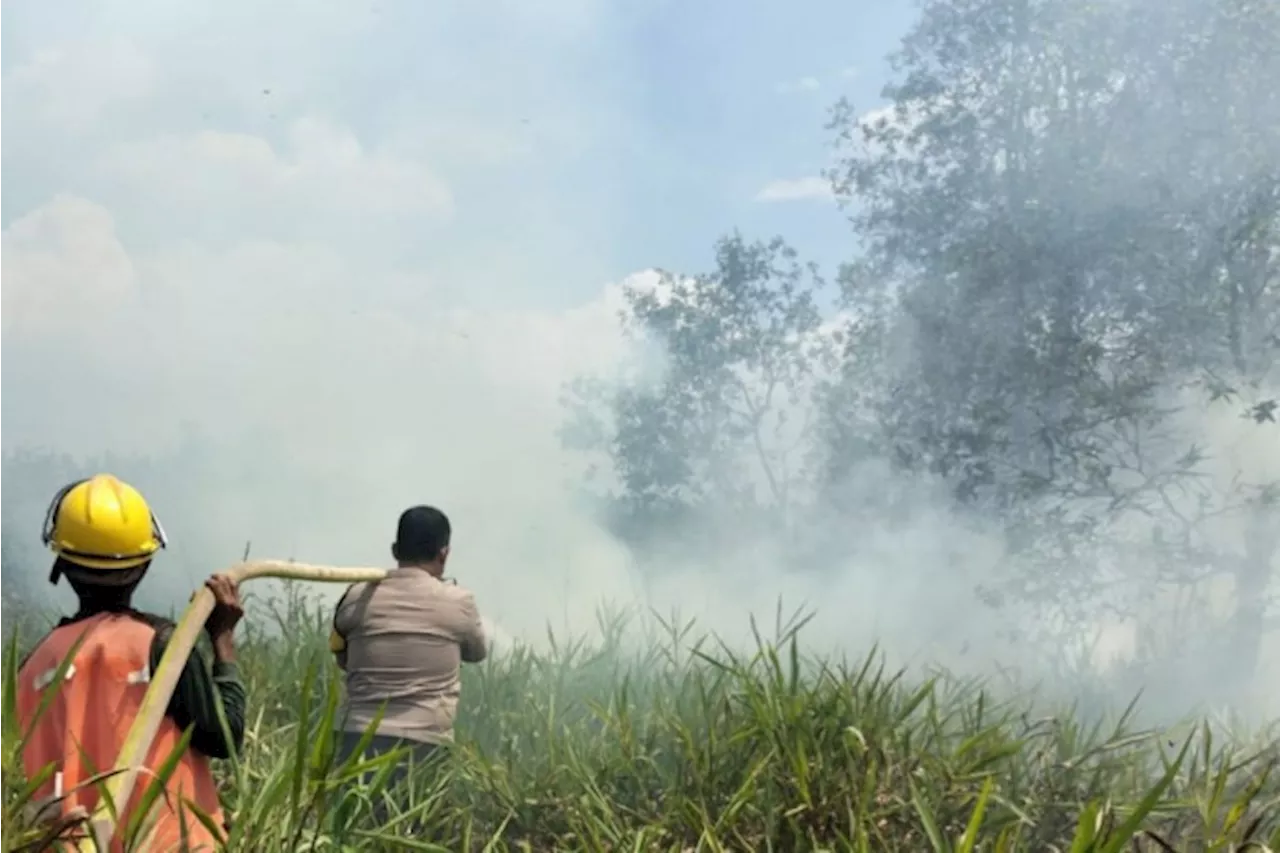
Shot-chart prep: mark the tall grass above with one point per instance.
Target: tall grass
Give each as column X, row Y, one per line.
column 689, row 746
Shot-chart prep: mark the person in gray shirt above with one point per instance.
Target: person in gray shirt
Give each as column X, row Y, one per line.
column 401, row 643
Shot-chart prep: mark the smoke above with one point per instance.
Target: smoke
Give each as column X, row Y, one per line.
column 285, row 335
column 306, row 431
column 289, row 310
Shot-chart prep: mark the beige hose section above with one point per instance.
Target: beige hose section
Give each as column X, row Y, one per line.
column 142, row 733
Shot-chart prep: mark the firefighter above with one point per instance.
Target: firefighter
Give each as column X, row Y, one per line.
column 104, row 537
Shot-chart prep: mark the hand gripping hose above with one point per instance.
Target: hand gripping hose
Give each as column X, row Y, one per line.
column 142, row 733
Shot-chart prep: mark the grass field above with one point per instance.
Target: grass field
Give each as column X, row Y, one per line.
column 590, row 747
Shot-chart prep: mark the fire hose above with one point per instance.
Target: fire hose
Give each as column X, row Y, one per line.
column 137, row 744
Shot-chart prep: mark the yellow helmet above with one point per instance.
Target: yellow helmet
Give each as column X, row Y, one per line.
column 102, row 523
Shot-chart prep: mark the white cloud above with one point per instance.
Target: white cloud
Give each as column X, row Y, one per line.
column 323, row 167
column 62, row 265
column 266, row 332
column 381, row 272
column 804, row 84
column 395, row 131
column 69, row 86
column 795, row 189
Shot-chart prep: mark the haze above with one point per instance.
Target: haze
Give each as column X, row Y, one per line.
column 293, row 267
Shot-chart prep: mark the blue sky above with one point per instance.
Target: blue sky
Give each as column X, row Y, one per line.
column 384, row 234
column 730, row 110
column 649, row 127
column 212, row 186
column 699, row 106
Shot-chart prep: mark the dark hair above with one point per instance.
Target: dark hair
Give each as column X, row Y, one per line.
column 423, row 532
column 100, row 590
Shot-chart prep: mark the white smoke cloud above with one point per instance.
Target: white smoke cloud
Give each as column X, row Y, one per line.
column 364, row 302
column 350, row 293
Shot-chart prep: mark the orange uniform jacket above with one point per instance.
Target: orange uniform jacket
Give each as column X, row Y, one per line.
column 84, row 727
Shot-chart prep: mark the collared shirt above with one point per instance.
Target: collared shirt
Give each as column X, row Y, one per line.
column 403, row 641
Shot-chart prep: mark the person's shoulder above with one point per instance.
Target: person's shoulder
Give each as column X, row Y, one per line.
column 453, row 591
column 162, row 625
column 355, row 592
column 161, row 630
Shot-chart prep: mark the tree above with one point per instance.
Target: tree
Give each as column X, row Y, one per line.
column 1070, row 221
column 1071, row 210
column 717, row 438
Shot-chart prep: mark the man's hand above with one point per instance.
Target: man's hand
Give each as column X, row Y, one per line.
column 226, row 614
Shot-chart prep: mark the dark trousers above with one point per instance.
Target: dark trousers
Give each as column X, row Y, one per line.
column 419, row 754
